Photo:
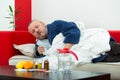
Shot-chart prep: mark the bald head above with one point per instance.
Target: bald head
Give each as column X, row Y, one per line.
column 37, row 29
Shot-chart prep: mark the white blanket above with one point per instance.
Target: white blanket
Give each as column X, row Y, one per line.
column 93, row 43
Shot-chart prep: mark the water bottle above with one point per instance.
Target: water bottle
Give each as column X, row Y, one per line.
column 64, row 60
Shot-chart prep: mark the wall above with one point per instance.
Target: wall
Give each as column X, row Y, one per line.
column 94, row 13
column 22, row 19
column 4, row 23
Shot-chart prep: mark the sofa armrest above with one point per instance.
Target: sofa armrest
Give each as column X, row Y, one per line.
column 115, row 34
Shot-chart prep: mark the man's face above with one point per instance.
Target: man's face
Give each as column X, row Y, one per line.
column 38, row 29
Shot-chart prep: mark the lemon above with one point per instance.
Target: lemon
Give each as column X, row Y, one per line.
column 20, row 65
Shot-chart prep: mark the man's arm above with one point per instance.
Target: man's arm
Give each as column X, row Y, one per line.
column 69, row 30
column 68, row 45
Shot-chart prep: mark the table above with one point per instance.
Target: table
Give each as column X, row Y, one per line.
column 8, row 73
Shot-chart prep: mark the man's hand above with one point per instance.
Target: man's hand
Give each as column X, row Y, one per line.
column 68, row 45
column 41, row 49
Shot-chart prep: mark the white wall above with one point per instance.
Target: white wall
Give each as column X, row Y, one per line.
column 94, row 13
column 4, row 22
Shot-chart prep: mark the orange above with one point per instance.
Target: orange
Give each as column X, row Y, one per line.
column 28, row 65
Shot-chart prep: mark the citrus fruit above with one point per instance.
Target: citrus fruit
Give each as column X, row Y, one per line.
column 20, row 65
column 28, row 65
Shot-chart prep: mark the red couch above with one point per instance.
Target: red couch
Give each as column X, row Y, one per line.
column 8, row 38
column 115, row 34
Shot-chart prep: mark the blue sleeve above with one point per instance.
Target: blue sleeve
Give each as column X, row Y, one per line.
column 69, row 30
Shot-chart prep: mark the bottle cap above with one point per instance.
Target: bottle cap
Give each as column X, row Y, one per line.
column 66, row 50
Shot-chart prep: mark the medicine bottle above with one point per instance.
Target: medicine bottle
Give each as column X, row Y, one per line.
column 46, row 65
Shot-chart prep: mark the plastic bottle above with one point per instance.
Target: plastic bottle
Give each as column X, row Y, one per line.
column 64, row 60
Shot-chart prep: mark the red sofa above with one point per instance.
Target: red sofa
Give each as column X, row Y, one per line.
column 115, row 34
column 8, row 38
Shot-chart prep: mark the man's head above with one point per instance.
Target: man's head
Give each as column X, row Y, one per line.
column 37, row 29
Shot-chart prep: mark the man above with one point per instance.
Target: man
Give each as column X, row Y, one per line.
column 72, row 34
column 68, row 29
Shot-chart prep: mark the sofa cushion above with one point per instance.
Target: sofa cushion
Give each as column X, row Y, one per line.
column 15, row 59
column 103, row 67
